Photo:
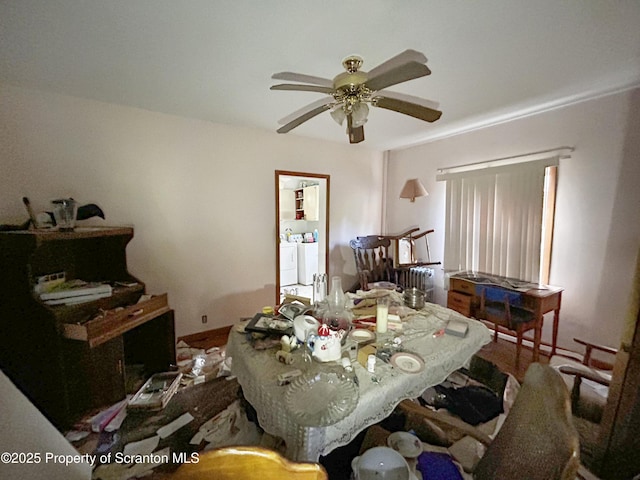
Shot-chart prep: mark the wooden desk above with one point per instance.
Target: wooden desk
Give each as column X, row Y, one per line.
column 465, row 289
column 257, row 372
column 63, row 357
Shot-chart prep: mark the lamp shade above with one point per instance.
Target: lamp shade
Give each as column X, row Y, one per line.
column 413, row 188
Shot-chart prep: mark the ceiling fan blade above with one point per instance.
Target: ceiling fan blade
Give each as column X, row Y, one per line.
column 402, row 73
column 299, row 77
column 417, row 111
column 356, row 134
column 394, row 62
column 410, row 98
column 303, row 118
column 303, row 88
column 307, row 108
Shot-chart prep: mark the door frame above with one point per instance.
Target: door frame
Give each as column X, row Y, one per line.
column 287, row 173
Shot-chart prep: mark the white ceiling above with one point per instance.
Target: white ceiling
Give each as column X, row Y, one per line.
column 212, row 59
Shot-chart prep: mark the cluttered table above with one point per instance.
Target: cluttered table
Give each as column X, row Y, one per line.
column 326, row 406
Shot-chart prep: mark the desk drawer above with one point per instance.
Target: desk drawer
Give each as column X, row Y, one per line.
column 462, row 285
column 460, row 302
column 117, row 321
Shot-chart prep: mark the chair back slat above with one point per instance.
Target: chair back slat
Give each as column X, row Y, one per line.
column 373, row 264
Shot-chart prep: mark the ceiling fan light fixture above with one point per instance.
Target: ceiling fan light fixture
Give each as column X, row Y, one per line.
column 359, row 114
column 350, row 93
column 338, row 115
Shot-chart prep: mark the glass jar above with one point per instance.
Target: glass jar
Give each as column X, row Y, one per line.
column 65, row 211
column 337, row 316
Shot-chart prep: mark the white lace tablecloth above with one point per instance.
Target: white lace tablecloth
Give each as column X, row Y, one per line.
column 257, row 372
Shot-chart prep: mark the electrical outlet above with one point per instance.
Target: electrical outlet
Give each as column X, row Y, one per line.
column 204, row 319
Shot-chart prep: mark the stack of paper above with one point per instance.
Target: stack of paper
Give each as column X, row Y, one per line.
column 74, row 292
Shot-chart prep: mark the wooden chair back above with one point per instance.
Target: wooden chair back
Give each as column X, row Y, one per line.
column 501, row 308
column 373, row 262
column 232, row 463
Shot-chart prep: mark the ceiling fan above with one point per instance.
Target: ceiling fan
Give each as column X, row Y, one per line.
column 350, row 93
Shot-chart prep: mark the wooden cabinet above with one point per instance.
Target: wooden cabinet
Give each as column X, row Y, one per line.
column 461, row 297
column 69, row 358
column 460, row 302
column 307, row 203
column 299, row 203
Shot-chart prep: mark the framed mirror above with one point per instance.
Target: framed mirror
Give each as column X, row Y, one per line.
column 302, row 231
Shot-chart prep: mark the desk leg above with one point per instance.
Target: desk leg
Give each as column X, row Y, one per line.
column 556, row 321
column 536, row 338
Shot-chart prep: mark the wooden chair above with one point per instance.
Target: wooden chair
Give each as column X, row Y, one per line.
column 231, row 463
column 588, row 398
column 501, row 308
column 373, row 262
column 589, row 381
column 536, row 441
column 390, row 258
column 405, row 249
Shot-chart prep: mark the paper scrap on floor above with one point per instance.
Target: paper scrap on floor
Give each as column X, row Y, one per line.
column 142, row 447
column 229, row 427
column 124, row 471
column 178, row 423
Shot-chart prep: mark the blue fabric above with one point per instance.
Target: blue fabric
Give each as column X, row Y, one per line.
column 437, row 466
column 497, row 294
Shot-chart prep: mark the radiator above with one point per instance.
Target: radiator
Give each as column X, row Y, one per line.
column 420, row 278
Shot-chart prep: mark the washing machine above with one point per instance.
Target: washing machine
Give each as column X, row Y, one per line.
column 288, row 263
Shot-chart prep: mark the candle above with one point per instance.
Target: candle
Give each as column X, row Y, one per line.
column 382, row 313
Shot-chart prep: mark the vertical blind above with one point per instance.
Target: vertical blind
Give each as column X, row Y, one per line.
column 494, row 219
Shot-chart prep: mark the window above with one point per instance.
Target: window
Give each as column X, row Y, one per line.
column 499, row 220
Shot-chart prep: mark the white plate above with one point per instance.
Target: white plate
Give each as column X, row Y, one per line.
column 407, row 362
column 406, row 444
column 361, row 335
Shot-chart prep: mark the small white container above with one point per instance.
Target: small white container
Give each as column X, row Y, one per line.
column 371, row 363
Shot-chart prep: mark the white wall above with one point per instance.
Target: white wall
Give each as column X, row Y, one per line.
column 597, row 225
column 200, row 195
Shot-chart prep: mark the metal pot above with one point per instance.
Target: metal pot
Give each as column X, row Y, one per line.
column 414, row 298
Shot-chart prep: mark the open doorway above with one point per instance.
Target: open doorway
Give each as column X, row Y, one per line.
column 302, row 231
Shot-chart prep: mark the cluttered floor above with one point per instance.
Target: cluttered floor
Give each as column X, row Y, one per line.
column 208, row 411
